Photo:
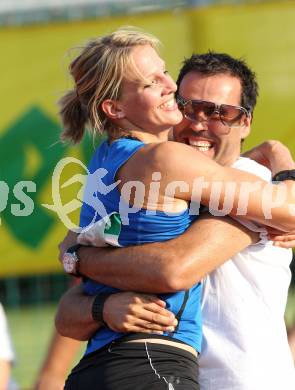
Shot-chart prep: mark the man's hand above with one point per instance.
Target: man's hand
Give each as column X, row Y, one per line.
column 133, row 312
column 123, row 312
column 69, row 240
column 272, row 154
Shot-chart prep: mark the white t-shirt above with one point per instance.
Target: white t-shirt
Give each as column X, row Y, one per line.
column 245, row 344
column 6, row 351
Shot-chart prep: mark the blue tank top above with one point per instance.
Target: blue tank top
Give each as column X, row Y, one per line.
column 138, row 227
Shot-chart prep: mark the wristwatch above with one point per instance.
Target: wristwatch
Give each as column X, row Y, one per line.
column 71, row 260
column 97, row 307
column 284, row 175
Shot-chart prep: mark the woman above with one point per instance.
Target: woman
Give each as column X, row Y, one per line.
column 122, row 87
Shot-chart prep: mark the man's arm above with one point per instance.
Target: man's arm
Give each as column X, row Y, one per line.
column 167, row 266
column 75, row 308
column 123, row 312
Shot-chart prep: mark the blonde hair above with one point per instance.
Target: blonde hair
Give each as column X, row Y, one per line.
column 98, row 72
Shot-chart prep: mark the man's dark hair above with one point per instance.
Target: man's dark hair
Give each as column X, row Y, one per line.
column 212, row 63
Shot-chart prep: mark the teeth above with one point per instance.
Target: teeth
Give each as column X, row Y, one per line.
column 200, row 143
column 168, row 104
column 202, row 146
column 203, row 149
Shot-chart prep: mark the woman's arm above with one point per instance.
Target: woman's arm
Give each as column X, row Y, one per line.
column 189, row 175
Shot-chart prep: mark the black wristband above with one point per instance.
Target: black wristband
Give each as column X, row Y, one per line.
column 97, row 307
column 288, row 174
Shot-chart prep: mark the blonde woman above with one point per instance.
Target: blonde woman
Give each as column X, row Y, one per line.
column 122, row 87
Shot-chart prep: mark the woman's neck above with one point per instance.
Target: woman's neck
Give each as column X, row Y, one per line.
column 117, row 132
column 148, row 138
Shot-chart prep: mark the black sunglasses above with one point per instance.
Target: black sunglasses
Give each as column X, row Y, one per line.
column 202, row 110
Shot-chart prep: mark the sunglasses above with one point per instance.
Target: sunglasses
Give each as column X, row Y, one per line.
column 201, row 110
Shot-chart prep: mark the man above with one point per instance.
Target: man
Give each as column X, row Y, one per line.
column 244, row 329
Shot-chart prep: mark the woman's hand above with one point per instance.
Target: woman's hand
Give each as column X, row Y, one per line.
column 281, row 239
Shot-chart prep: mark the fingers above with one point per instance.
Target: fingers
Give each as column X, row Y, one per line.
column 285, row 244
column 156, row 300
column 285, row 237
column 152, row 309
column 131, row 323
column 129, row 312
column 150, row 317
column 156, row 309
column 289, row 237
column 284, row 241
column 138, row 329
column 147, row 298
column 153, row 326
column 163, row 318
column 69, row 240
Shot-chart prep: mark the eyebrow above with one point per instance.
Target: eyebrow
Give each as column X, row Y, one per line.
column 154, row 73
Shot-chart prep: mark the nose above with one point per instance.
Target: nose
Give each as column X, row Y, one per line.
column 169, row 84
column 201, row 117
column 199, row 125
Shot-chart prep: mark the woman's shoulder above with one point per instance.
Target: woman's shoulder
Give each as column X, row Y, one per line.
column 167, row 157
column 172, row 146
column 171, row 152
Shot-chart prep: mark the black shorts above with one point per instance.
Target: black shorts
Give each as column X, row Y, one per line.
column 135, row 366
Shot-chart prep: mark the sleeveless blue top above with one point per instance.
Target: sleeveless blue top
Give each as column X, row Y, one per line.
column 138, row 227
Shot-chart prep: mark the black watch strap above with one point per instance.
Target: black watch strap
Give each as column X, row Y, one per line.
column 74, row 248
column 97, row 307
column 284, row 175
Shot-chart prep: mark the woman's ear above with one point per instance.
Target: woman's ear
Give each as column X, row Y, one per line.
column 112, row 109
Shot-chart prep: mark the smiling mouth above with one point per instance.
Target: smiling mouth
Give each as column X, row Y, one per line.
column 201, row 146
column 170, row 104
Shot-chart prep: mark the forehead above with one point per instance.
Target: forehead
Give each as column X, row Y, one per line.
column 145, row 62
column 220, row 88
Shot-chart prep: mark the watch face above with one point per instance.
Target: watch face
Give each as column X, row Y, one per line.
column 69, row 263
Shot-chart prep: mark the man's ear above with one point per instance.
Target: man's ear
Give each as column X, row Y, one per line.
column 112, row 109
column 245, row 130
